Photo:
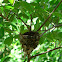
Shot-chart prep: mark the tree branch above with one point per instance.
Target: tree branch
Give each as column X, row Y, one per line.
column 51, row 28
column 22, row 21
column 46, row 52
column 4, row 17
column 31, row 22
column 50, row 15
column 28, row 58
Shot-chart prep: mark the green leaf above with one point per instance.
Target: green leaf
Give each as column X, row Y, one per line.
column 39, row 11
column 1, row 20
column 42, row 39
column 49, row 36
column 58, row 14
column 1, row 10
column 5, row 1
column 8, row 40
column 24, row 15
column 54, row 35
column 22, row 30
column 12, row 18
column 43, row 55
column 1, row 32
column 37, row 25
column 14, row 26
column 22, row 27
column 6, row 29
column 17, row 36
column 2, row 59
column 23, row 5
column 6, row 12
column 6, row 59
column 15, row 11
column 7, row 23
column 49, row 53
column 8, row 7
column 11, row 1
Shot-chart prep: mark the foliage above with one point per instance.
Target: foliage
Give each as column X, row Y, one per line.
column 15, row 18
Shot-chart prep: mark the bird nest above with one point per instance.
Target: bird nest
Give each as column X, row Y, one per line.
column 29, row 41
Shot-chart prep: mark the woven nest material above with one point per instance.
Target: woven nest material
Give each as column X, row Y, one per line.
column 29, row 41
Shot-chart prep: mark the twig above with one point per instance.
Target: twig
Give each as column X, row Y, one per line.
column 46, row 52
column 51, row 28
column 50, row 15
column 28, row 58
column 4, row 17
column 22, row 21
column 31, row 22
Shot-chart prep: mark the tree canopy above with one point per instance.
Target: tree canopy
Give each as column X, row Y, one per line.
column 18, row 17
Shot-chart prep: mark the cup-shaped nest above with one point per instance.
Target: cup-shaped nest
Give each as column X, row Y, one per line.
column 29, row 41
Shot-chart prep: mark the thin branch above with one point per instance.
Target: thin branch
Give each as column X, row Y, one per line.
column 51, row 28
column 4, row 17
column 31, row 23
column 46, row 52
column 50, row 15
column 28, row 58
column 22, row 21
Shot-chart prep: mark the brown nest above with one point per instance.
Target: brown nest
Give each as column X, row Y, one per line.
column 29, row 41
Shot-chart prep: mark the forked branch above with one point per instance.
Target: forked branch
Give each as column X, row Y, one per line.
column 50, row 15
